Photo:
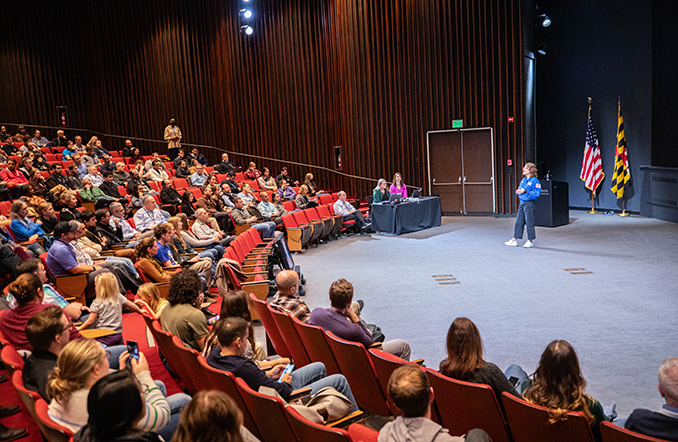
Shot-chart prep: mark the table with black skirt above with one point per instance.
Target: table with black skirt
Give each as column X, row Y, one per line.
column 407, row 216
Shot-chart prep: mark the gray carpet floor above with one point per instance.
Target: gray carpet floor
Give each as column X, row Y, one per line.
column 619, row 310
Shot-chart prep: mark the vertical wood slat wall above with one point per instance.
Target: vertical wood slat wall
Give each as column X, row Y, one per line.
column 372, row 77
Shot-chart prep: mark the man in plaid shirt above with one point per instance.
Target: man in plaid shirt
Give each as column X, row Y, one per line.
column 287, row 298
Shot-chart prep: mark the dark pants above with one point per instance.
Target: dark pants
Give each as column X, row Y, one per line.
column 525, row 217
column 358, row 216
column 8, row 260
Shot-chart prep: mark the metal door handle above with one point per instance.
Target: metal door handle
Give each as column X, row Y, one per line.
column 459, row 182
column 434, row 180
column 464, row 179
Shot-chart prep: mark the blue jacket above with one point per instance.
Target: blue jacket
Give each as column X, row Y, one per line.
column 532, row 189
column 25, row 229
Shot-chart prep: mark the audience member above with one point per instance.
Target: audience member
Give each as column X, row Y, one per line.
column 252, row 173
column 94, row 176
column 662, row 424
column 120, row 175
column 79, row 147
column 266, row 181
column 225, row 166
column 343, row 207
column 342, row 320
column 69, row 202
column 192, row 241
column 57, row 178
column 147, row 250
column 410, row 391
column 60, row 140
column 242, row 217
column 182, row 248
column 183, row 317
column 302, row 201
column 267, row 209
column 558, row 384
column 182, row 171
column 465, row 361
column 107, row 166
column 73, row 178
column 127, row 149
column 247, row 195
column 100, row 150
column 212, row 415
column 39, row 140
column 16, row 181
column 150, row 300
column 187, row 200
column 278, row 204
column 106, row 423
column 286, row 191
column 206, row 228
column 148, row 164
column 313, row 189
column 149, row 215
column 285, row 176
column 169, row 195
column 48, row 333
column 287, row 299
column 199, row 177
column 24, row 228
column 214, row 207
column 46, row 217
column 110, row 188
column 106, row 309
column 170, row 258
column 196, row 155
column 232, row 183
column 181, row 156
column 28, row 292
column 232, row 334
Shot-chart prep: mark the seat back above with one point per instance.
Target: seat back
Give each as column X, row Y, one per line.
column 52, row 431
column 530, row 423
column 325, row 198
column 270, row 326
column 361, row 433
column 463, row 406
column 284, row 323
column 289, row 222
column 12, row 359
column 313, row 339
column 225, row 381
column 27, row 396
column 310, row 431
column 189, row 359
column 289, row 205
column 171, row 354
column 268, row 413
column 385, row 364
column 300, row 217
column 612, row 433
column 141, row 273
column 356, row 366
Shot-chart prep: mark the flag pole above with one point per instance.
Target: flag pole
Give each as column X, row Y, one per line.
column 593, row 210
column 624, row 212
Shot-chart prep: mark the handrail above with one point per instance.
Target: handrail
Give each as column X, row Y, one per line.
column 203, row 146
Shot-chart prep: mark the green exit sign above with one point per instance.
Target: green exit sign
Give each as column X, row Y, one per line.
column 457, row 123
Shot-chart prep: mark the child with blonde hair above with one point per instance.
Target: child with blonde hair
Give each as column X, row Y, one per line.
column 106, row 309
column 149, row 298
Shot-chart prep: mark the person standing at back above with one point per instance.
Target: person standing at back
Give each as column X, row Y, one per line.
column 173, row 137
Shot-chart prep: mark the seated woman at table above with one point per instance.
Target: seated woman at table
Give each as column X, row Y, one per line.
column 380, row 193
column 398, row 186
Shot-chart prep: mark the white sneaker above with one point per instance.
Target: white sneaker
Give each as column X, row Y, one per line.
column 511, row 243
column 528, row 244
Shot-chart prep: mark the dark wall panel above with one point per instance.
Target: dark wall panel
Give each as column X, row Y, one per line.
column 372, row 77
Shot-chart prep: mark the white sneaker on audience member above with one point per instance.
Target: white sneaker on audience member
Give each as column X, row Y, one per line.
column 529, row 244
column 511, row 243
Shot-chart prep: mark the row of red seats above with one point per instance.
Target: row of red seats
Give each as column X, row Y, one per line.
column 458, row 406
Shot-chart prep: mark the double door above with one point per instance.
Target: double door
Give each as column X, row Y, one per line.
column 461, row 170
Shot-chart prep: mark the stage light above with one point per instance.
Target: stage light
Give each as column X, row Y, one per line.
column 544, row 20
column 246, row 13
column 248, row 30
column 541, row 48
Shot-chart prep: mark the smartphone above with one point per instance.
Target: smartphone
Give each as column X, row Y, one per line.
column 133, row 349
column 514, row 381
column 287, row 369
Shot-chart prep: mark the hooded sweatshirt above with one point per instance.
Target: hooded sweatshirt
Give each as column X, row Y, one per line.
column 419, row 429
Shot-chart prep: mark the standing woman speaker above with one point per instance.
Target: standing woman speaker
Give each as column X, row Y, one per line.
column 528, row 191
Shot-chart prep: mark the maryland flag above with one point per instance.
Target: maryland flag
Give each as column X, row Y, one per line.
column 622, row 185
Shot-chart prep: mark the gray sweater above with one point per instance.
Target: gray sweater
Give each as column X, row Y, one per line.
column 415, row 429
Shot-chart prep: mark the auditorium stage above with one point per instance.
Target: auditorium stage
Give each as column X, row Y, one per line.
column 607, row 284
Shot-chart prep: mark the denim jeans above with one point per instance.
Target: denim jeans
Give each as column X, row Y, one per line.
column 213, row 255
column 176, row 402
column 114, row 352
column 314, row 375
column 126, row 263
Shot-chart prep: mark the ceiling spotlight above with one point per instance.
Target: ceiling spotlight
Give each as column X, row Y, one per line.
column 248, row 30
column 246, row 13
column 245, row 1
column 544, row 20
column 541, row 48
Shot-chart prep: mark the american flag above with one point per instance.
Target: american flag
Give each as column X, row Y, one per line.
column 592, row 164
